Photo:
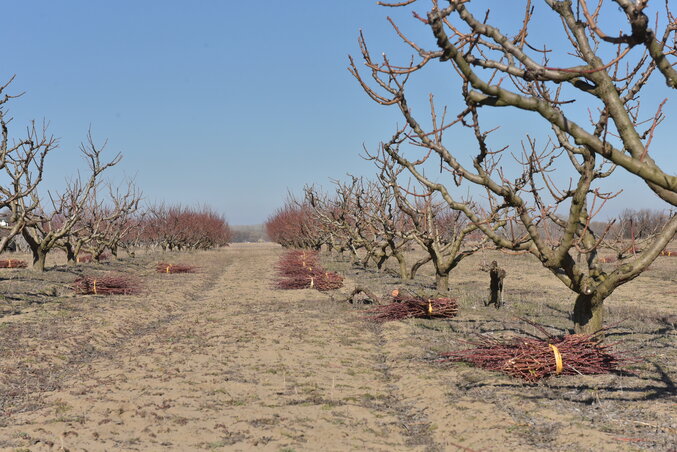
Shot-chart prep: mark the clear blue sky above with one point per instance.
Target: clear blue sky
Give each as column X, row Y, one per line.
column 228, row 103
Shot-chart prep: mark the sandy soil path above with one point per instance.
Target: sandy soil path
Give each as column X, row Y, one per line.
column 222, row 361
column 227, row 362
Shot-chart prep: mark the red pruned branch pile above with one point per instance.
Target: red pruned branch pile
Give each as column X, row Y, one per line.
column 414, row 307
column 12, row 263
column 532, row 359
column 164, row 267
column 607, row 259
column 106, row 285
column 84, row 258
column 669, row 253
column 296, row 261
column 301, row 270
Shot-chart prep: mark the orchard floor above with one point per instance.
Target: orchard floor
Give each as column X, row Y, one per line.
column 220, row 360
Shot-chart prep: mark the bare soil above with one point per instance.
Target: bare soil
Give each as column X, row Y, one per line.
column 220, row 360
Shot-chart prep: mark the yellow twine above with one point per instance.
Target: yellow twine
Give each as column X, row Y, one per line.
column 10, row 263
column 168, row 267
column 94, row 283
column 312, row 282
column 558, row 359
column 430, row 307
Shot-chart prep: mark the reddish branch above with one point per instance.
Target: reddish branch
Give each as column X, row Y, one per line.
column 12, row 263
column 532, row 359
column 106, row 285
column 84, row 258
column 415, row 307
column 301, row 270
column 607, row 260
column 164, row 267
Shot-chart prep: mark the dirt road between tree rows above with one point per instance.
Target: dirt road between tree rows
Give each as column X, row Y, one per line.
column 220, row 360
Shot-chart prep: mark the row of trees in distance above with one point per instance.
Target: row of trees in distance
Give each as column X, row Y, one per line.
column 89, row 214
column 579, row 81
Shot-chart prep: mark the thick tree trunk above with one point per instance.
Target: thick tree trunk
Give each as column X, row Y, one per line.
column 588, row 314
column 442, row 282
column 39, row 258
column 404, row 270
column 71, row 258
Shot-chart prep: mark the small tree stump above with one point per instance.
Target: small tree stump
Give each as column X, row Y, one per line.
column 496, row 275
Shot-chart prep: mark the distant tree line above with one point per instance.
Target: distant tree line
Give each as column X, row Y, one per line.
column 90, row 215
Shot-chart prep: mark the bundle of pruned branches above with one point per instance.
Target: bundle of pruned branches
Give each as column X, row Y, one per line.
column 297, row 261
column 669, row 253
column 12, row 263
column 301, row 270
column 163, row 267
column 311, row 279
column 414, row 307
column 607, row 259
column 84, row 258
column 532, row 359
column 106, row 285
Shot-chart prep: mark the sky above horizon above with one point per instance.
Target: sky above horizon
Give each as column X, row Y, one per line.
column 229, row 104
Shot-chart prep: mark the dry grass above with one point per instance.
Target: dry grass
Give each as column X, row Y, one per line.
column 222, row 353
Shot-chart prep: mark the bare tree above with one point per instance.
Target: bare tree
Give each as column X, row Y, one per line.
column 44, row 229
column 22, row 161
column 104, row 223
column 440, row 231
column 517, row 72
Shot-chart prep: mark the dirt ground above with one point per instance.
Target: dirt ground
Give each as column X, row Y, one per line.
column 220, row 360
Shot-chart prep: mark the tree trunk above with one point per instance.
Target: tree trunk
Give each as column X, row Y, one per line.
column 442, row 282
column 587, row 315
column 380, row 260
column 404, row 270
column 71, row 258
column 39, row 258
column 496, row 276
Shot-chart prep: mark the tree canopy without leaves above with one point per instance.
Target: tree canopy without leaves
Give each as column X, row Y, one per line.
column 580, row 66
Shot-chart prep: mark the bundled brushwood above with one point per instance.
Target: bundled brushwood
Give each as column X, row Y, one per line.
column 607, row 259
column 296, row 262
column 301, row 270
column 414, row 307
column 328, row 281
column 13, row 263
column 532, row 359
column 163, row 267
column 84, row 259
column 669, row 253
column 312, row 279
column 106, row 285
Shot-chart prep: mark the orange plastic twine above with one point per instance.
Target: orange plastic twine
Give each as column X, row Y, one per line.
column 94, row 284
column 558, row 359
column 430, row 307
column 9, row 263
column 168, row 267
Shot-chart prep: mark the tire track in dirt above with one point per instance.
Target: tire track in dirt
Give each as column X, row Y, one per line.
column 233, row 365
